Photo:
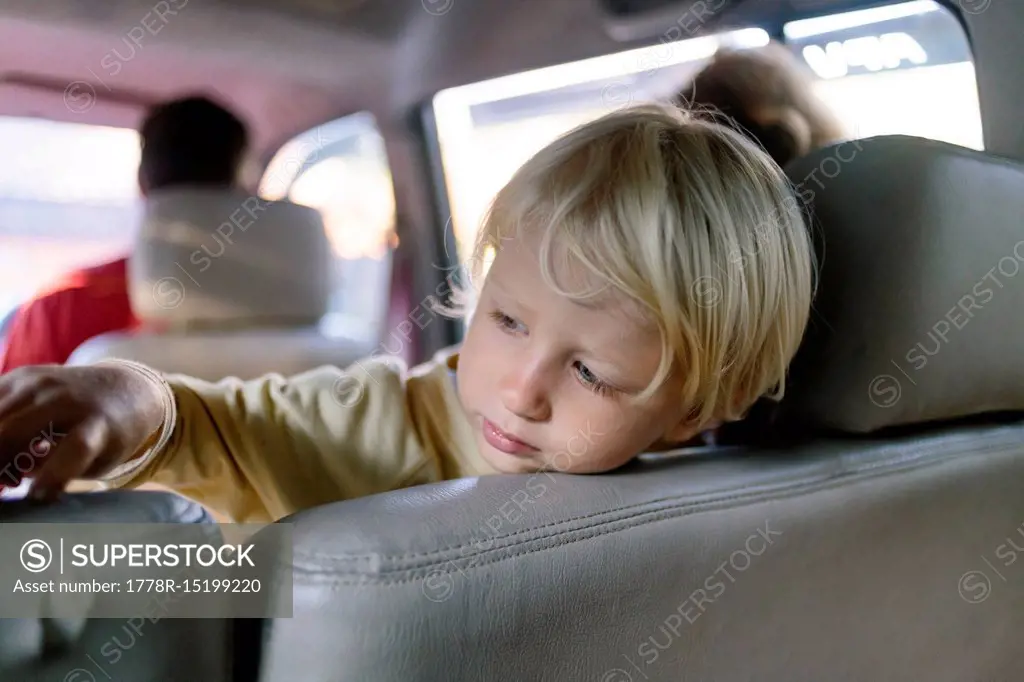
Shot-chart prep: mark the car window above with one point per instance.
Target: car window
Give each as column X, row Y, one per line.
column 68, row 199
column 905, row 68
column 341, row 169
column 487, row 130
column 900, row 69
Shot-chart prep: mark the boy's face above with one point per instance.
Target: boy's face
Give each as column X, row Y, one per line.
column 545, row 380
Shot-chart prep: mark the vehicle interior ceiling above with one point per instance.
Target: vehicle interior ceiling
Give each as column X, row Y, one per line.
column 289, row 66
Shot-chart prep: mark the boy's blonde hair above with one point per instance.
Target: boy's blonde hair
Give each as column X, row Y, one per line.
column 692, row 223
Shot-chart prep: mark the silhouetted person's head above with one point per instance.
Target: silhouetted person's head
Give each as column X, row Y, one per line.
column 191, row 142
column 768, row 95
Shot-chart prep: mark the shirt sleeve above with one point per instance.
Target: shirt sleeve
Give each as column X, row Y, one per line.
column 31, row 340
column 259, row 450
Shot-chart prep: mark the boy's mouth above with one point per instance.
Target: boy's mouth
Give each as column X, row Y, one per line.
column 505, row 442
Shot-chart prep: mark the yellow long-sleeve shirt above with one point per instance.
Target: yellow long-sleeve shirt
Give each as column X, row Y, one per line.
column 256, row 451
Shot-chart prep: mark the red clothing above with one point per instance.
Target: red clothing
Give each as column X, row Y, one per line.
column 83, row 304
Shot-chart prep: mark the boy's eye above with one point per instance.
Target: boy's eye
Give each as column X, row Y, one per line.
column 590, row 380
column 507, row 323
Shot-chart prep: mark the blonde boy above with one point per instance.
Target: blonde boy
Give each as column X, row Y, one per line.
column 616, row 318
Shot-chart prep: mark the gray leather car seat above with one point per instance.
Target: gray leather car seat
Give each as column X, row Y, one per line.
column 114, row 649
column 885, row 548
column 228, row 284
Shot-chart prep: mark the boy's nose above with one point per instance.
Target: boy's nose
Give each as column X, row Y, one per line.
column 523, row 394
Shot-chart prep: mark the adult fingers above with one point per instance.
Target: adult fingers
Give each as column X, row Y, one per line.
column 70, row 459
column 14, row 395
column 25, row 440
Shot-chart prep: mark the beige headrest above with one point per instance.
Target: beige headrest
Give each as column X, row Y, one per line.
column 918, row 315
column 223, row 259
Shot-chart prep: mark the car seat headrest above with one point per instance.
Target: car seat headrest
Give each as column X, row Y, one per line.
column 918, row 313
column 223, row 259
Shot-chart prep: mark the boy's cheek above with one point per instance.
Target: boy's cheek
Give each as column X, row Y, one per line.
column 596, row 463
column 469, row 361
column 481, row 362
column 474, row 347
column 583, row 455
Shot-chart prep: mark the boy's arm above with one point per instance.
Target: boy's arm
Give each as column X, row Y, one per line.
column 259, row 450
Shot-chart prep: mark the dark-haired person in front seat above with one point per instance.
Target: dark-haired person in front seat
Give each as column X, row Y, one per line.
column 612, row 321
column 767, row 94
column 187, row 142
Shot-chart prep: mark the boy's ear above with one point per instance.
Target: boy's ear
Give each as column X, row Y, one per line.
column 686, row 430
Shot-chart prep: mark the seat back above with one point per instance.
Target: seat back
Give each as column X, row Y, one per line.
column 213, row 355
column 220, row 258
column 119, row 649
column 885, row 560
column 228, row 284
column 869, row 554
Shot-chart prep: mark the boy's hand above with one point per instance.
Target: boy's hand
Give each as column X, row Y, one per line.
column 62, row 423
